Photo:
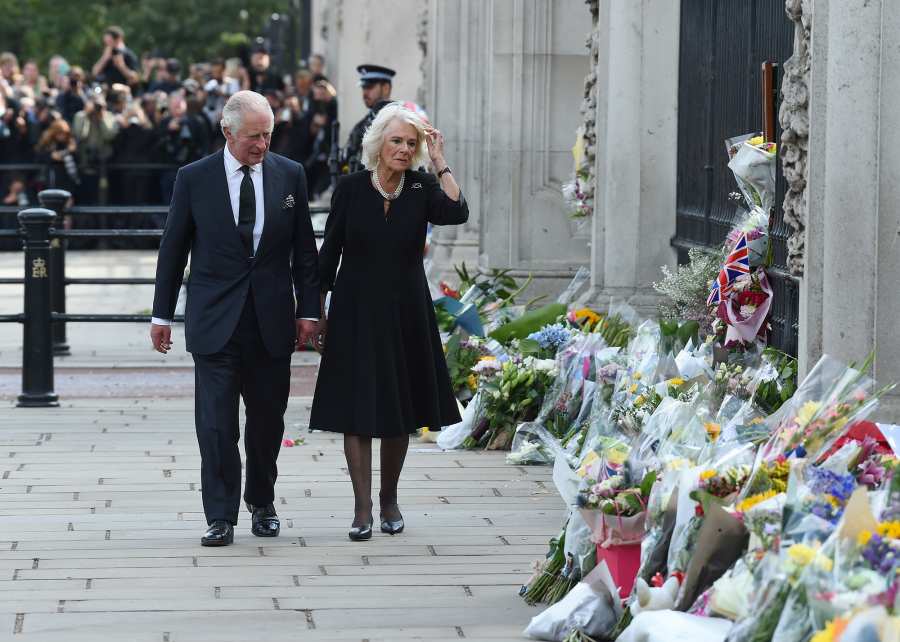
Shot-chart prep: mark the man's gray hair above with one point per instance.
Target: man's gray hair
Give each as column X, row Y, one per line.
column 239, row 104
column 373, row 139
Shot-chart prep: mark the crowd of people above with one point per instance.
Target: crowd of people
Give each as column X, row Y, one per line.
column 118, row 132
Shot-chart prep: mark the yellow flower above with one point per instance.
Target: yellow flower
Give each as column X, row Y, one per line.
column 889, row 530
column 707, row 474
column 831, row 632
column 676, row 381
column 637, row 376
column 756, row 421
column 863, row 538
column 489, row 357
column 713, row 430
column 757, row 140
column 639, row 401
column 587, row 313
column 834, row 501
column 633, row 388
column 802, row 555
column 472, row 382
column 753, row 500
column 807, row 412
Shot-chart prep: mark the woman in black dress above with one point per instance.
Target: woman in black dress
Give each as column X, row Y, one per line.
column 383, row 372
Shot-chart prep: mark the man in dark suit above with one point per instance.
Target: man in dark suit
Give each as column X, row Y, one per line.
column 252, row 299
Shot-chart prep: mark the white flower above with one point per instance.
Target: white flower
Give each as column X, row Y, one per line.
column 486, row 366
column 547, row 365
column 747, row 310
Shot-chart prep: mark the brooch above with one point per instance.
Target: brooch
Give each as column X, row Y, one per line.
column 288, row 202
column 417, row 185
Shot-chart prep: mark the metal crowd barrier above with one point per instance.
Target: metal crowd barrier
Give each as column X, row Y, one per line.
column 44, row 316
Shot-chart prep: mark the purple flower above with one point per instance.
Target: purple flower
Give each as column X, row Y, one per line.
column 880, row 555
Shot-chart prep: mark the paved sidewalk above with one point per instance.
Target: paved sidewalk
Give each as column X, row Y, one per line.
column 100, row 506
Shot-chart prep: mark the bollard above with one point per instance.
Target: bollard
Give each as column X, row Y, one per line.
column 37, row 352
column 56, row 199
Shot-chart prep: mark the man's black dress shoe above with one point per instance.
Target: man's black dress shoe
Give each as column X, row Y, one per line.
column 265, row 521
column 219, row 533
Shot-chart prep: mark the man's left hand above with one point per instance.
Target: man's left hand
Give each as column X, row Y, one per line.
column 306, row 332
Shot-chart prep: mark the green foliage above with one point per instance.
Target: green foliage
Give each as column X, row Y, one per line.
column 688, row 287
column 461, row 357
column 773, row 393
column 190, row 30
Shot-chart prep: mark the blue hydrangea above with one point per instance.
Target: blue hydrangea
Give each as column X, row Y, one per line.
column 551, row 336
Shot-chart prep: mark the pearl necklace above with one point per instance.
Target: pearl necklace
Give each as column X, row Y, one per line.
column 393, row 195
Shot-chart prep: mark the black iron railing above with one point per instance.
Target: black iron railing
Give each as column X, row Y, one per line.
column 44, row 314
column 722, row 44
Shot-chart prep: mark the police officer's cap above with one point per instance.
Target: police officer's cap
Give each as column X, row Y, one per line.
column 371, row 74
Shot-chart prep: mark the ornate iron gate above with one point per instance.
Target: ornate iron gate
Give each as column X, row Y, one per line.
column 722, row 46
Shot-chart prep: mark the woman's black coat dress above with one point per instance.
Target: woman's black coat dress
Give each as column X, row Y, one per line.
column 383, row 373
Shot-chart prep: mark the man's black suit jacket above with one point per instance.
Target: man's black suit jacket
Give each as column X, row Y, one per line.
column 282, row 276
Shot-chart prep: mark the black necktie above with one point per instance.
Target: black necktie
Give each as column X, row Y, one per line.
column 247, row 210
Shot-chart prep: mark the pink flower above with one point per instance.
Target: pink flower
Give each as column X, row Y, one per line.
column 288, row 443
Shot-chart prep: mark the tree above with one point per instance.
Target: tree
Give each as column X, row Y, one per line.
column 190, row 30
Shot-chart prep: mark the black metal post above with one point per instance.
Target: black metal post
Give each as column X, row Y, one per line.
column 37, row 353
column 56, row 199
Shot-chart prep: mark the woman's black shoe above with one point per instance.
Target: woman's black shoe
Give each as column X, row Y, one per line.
column 392, row 527
column 361, row 533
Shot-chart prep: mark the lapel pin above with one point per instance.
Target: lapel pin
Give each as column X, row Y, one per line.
column 288, row 202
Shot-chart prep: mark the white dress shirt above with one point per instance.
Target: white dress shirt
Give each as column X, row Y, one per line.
column 234, row 176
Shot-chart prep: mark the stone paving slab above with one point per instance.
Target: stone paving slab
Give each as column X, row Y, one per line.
column 99, row 538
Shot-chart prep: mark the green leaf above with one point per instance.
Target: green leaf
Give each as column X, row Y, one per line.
column 647, row 483
column 634, row 503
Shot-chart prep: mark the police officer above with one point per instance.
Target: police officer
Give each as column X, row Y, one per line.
column 376, row 83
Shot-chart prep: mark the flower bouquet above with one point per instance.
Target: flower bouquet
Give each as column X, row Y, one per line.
column 752, row 161
column 462, row 355
column 511, row 395
column 831, row 398
column 774, row 580
column 634, row 401
column 743, row 313
column 615, row 509
column 553, row 577
column 546, row 342
column 563, row 418
column 577, row 194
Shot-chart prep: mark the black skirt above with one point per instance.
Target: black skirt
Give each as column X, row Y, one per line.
column 383, row 373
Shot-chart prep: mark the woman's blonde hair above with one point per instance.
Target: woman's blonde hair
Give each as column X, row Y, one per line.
column 48, row 138
column 373, row 139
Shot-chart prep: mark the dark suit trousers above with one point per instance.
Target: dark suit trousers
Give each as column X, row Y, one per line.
column 243, row 368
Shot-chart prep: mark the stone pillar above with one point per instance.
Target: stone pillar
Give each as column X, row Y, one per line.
column 849, row 302
column 458, row 45
column 533, row 72
column 637, row 136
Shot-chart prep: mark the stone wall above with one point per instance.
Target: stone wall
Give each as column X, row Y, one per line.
column 354, row 32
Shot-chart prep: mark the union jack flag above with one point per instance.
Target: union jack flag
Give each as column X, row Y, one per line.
column 737, row 263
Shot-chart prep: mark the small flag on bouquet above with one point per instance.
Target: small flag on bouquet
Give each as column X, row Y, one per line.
column 466, row 314
column 737, row 263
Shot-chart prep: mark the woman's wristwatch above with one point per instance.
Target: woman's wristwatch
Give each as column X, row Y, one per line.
column 446, row 170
